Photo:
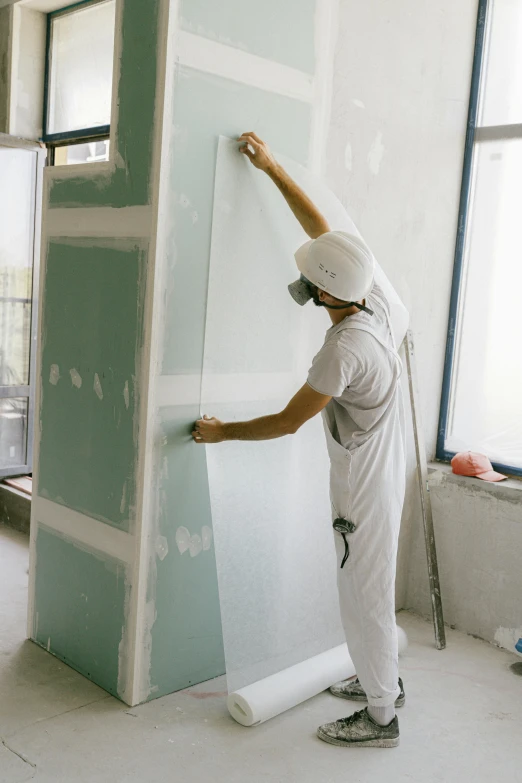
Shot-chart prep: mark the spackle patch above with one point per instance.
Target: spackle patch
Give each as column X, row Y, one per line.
column 123, row 502
column 358, row 103
column 162, row 547
column 375, row 154
column 54, row 375
column 184, row 201
column 508, row 638
column 126, row 394
column 194, row 217
column 206, row 537
column 76, row 378
column 182, row 539
column 348, row 158
column 97, row 386
column 196, row 545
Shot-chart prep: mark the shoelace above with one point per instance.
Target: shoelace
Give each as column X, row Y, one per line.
column 351, row 718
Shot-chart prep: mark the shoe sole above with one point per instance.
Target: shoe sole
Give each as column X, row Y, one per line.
column 377, row 743
column 401, row 701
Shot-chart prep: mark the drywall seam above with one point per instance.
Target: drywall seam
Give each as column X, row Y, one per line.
column 9, row 74
column 128, row 222
column 325, row 44
column 83, row 529
column 14, row 57
column 204, row 54
column 241, row 387
column 141, row 616
column 40, row 247
column 101, row 167
column 116, row 75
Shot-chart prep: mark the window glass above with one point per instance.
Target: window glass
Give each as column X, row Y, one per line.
column 502, row 70
column 81, row 65
column 17, row 178
column 87, row 152
column 486, row 414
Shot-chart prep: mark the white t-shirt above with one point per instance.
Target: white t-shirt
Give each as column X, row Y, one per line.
column 357, row 371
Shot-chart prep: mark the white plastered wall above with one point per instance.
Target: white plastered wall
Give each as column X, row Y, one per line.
column 27, row 74
column 395, row 152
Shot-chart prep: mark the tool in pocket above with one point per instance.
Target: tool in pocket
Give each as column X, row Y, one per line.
column 344, row 527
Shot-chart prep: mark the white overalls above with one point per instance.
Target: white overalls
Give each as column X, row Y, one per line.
column 367, row 488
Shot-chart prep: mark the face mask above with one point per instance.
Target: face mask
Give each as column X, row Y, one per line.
column 318, row 303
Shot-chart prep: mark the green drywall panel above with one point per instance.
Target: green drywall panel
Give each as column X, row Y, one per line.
column 283, row 32
column 79, row 607
column 129, row 183
column 187, row 645
column 206, row 107
column 92, row 323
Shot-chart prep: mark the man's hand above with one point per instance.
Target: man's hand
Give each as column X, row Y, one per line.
column 208, row 430
column 310, row 218
column 261, row 157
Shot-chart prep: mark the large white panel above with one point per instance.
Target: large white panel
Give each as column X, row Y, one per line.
column 270, row 506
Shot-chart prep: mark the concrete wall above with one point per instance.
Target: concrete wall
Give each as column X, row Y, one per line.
column 396, row 144
column 479, row 541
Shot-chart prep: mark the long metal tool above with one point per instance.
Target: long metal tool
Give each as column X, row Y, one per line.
column 427, row 515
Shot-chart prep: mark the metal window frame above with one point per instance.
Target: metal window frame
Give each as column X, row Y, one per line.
column 473, row 134
column 82, row 134
column 29, row 391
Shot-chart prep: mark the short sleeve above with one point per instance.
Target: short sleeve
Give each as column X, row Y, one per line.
column 333, row 369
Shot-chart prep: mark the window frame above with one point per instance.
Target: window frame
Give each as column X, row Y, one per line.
column 473, row 134
column 29, row 390
column 96, row 133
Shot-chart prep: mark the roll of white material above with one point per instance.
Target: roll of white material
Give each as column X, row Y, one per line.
column 273, row 695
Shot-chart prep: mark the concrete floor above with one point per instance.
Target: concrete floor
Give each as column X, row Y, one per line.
column 462, row 721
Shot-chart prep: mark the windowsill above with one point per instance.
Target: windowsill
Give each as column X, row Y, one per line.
column 441, row 473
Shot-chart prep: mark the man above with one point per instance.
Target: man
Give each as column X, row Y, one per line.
column 353, row 381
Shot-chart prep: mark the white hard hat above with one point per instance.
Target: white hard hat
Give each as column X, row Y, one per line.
column 336, row 262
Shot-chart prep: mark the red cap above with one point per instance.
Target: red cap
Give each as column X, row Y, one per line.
column 469, row 463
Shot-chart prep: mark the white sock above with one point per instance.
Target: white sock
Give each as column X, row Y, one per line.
column 382, row 715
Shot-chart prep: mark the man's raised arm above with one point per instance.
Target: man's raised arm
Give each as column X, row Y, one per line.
column 312, row 221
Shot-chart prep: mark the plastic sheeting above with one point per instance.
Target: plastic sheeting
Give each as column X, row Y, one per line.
column 270, row 507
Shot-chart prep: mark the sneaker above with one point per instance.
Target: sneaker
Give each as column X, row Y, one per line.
column 353, row 691
column 360, row 731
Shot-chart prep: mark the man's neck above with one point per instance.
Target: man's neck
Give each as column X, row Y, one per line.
column 336, row 316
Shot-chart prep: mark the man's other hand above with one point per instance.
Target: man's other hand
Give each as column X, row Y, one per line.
column 208, row 430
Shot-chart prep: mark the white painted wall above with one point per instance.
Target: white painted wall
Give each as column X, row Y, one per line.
column 396, row 144
column 400, row 98
column 27, row 76
column 395, row 152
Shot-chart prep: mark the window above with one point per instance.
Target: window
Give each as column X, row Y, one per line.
column 78, row 88
column 21, row 166
column 482, row 390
